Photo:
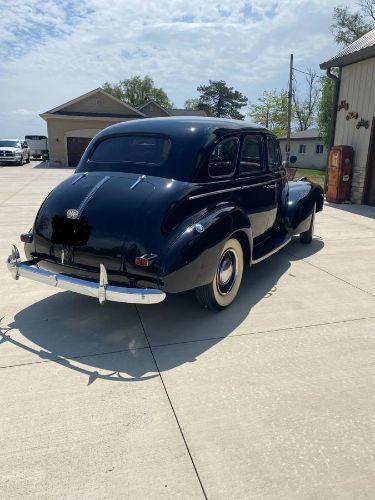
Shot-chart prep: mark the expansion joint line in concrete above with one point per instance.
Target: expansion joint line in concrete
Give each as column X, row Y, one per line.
column 171, row 405
column 327, row 272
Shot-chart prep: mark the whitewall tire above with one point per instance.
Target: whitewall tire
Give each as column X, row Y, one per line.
column 222, row 291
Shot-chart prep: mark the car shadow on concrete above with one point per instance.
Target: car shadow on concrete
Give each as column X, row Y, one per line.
column 78, row 333
column 52, row 165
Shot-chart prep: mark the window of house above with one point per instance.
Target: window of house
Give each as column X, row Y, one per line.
column 222, row 162
column 319, row 149
column 251, row 155
column 273, row 154
column 302, row 149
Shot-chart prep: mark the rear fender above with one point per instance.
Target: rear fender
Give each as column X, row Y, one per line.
column 298, row 200
column 191, row 259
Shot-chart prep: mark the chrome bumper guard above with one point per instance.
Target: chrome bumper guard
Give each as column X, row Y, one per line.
column 102, row 290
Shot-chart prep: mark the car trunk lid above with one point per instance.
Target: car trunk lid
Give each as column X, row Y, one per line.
column 87, row 219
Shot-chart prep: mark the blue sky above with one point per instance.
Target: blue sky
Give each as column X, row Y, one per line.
column 52, row 51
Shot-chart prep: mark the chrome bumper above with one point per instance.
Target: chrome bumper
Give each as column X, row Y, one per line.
column 102, row 290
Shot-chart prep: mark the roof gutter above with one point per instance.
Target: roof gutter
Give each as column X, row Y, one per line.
column 336, row 80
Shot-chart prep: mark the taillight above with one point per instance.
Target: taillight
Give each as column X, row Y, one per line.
column 145, row 260
column 26, row 237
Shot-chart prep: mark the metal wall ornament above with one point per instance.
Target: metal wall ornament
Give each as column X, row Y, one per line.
column 343, row 105
column 352, row 114
column 363, row 123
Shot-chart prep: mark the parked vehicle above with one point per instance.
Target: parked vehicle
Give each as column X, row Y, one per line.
column 14, row 151
column 38, row 144
column 167, row 205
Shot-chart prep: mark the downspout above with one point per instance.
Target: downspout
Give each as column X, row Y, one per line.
column 336, row 92
column 336, row 80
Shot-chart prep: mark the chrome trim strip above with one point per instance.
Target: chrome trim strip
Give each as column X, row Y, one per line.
column 102, row 291
column 140, row 179
column 202, row 195
column 79, row 177
column 90, row 194
column 239, row 188
column 283, row 244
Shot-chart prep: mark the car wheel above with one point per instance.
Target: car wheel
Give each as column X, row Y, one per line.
column 222, row 291
column 307, row 236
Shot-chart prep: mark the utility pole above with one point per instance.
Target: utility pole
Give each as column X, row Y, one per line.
column 289, row 109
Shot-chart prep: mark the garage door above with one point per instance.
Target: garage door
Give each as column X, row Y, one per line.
column 76, row 148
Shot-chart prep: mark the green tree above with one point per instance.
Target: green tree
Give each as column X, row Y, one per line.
column 137, row 91
column 305, row 104
column 349, row 26
column 192, row 104
column 217, row 99
column 271, row 111
column 325, row 109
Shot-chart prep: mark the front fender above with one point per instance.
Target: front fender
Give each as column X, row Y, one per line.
column 191, row 259
column 298, row 200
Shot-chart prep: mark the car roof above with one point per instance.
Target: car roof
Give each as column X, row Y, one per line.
column 179, row 126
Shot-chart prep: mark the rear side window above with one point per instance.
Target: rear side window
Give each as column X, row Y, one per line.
column 251, row 155
column 222, row 161
column 135, row 149
column 273, row 153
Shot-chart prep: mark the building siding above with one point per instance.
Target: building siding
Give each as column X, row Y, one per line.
column 58, row 130
column 357, row 89
column 153, row 111
column 99, row 103
column 310, row 159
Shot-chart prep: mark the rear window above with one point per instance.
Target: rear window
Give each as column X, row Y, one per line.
column 132, row 149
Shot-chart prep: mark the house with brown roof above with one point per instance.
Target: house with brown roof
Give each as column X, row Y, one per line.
column 72, row 125
column 354, row 111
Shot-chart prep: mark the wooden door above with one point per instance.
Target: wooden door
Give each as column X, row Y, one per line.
column 76, row 147
column 369, row 195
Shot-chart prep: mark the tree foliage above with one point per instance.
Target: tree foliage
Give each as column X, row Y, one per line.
column 305, row 104
column 136, row 91
column 271, row 111
column 325, row 109
column 217, row 99
column 349, row 26
column 192, row 104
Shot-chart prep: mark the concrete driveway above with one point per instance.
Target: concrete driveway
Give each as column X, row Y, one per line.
column 273, row 398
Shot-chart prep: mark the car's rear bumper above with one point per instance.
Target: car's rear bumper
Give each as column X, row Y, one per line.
column 102, row 290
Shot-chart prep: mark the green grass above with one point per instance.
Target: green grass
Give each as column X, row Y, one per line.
column 313, row 174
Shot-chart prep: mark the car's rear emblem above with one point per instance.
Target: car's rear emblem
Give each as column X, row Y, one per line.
column 72, row 213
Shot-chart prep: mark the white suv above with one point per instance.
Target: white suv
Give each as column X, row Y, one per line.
column 14, row 151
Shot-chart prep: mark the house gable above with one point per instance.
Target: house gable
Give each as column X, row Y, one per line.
column 96, row 103
column 152, row 109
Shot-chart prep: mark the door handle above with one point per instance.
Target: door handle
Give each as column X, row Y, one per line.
column 270, row 186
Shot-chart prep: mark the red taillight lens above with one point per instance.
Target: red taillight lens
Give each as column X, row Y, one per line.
column 141, row 261
column 145, row 260
column 26, row 237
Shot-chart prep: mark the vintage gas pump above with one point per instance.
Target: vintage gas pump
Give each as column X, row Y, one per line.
column 340, row 168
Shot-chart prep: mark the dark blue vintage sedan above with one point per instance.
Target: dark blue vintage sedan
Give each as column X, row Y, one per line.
column 167, row 205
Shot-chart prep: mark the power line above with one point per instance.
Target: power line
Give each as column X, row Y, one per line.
column 300, row 71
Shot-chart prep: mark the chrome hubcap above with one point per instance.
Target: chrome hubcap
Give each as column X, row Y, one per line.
column 227, row 271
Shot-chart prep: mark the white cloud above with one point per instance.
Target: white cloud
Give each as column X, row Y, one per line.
column 56, row 50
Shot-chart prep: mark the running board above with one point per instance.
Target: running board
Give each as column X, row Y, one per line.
column 270, row 251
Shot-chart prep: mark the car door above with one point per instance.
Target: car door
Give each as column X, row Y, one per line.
column 278, row 172
column 257, row 196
